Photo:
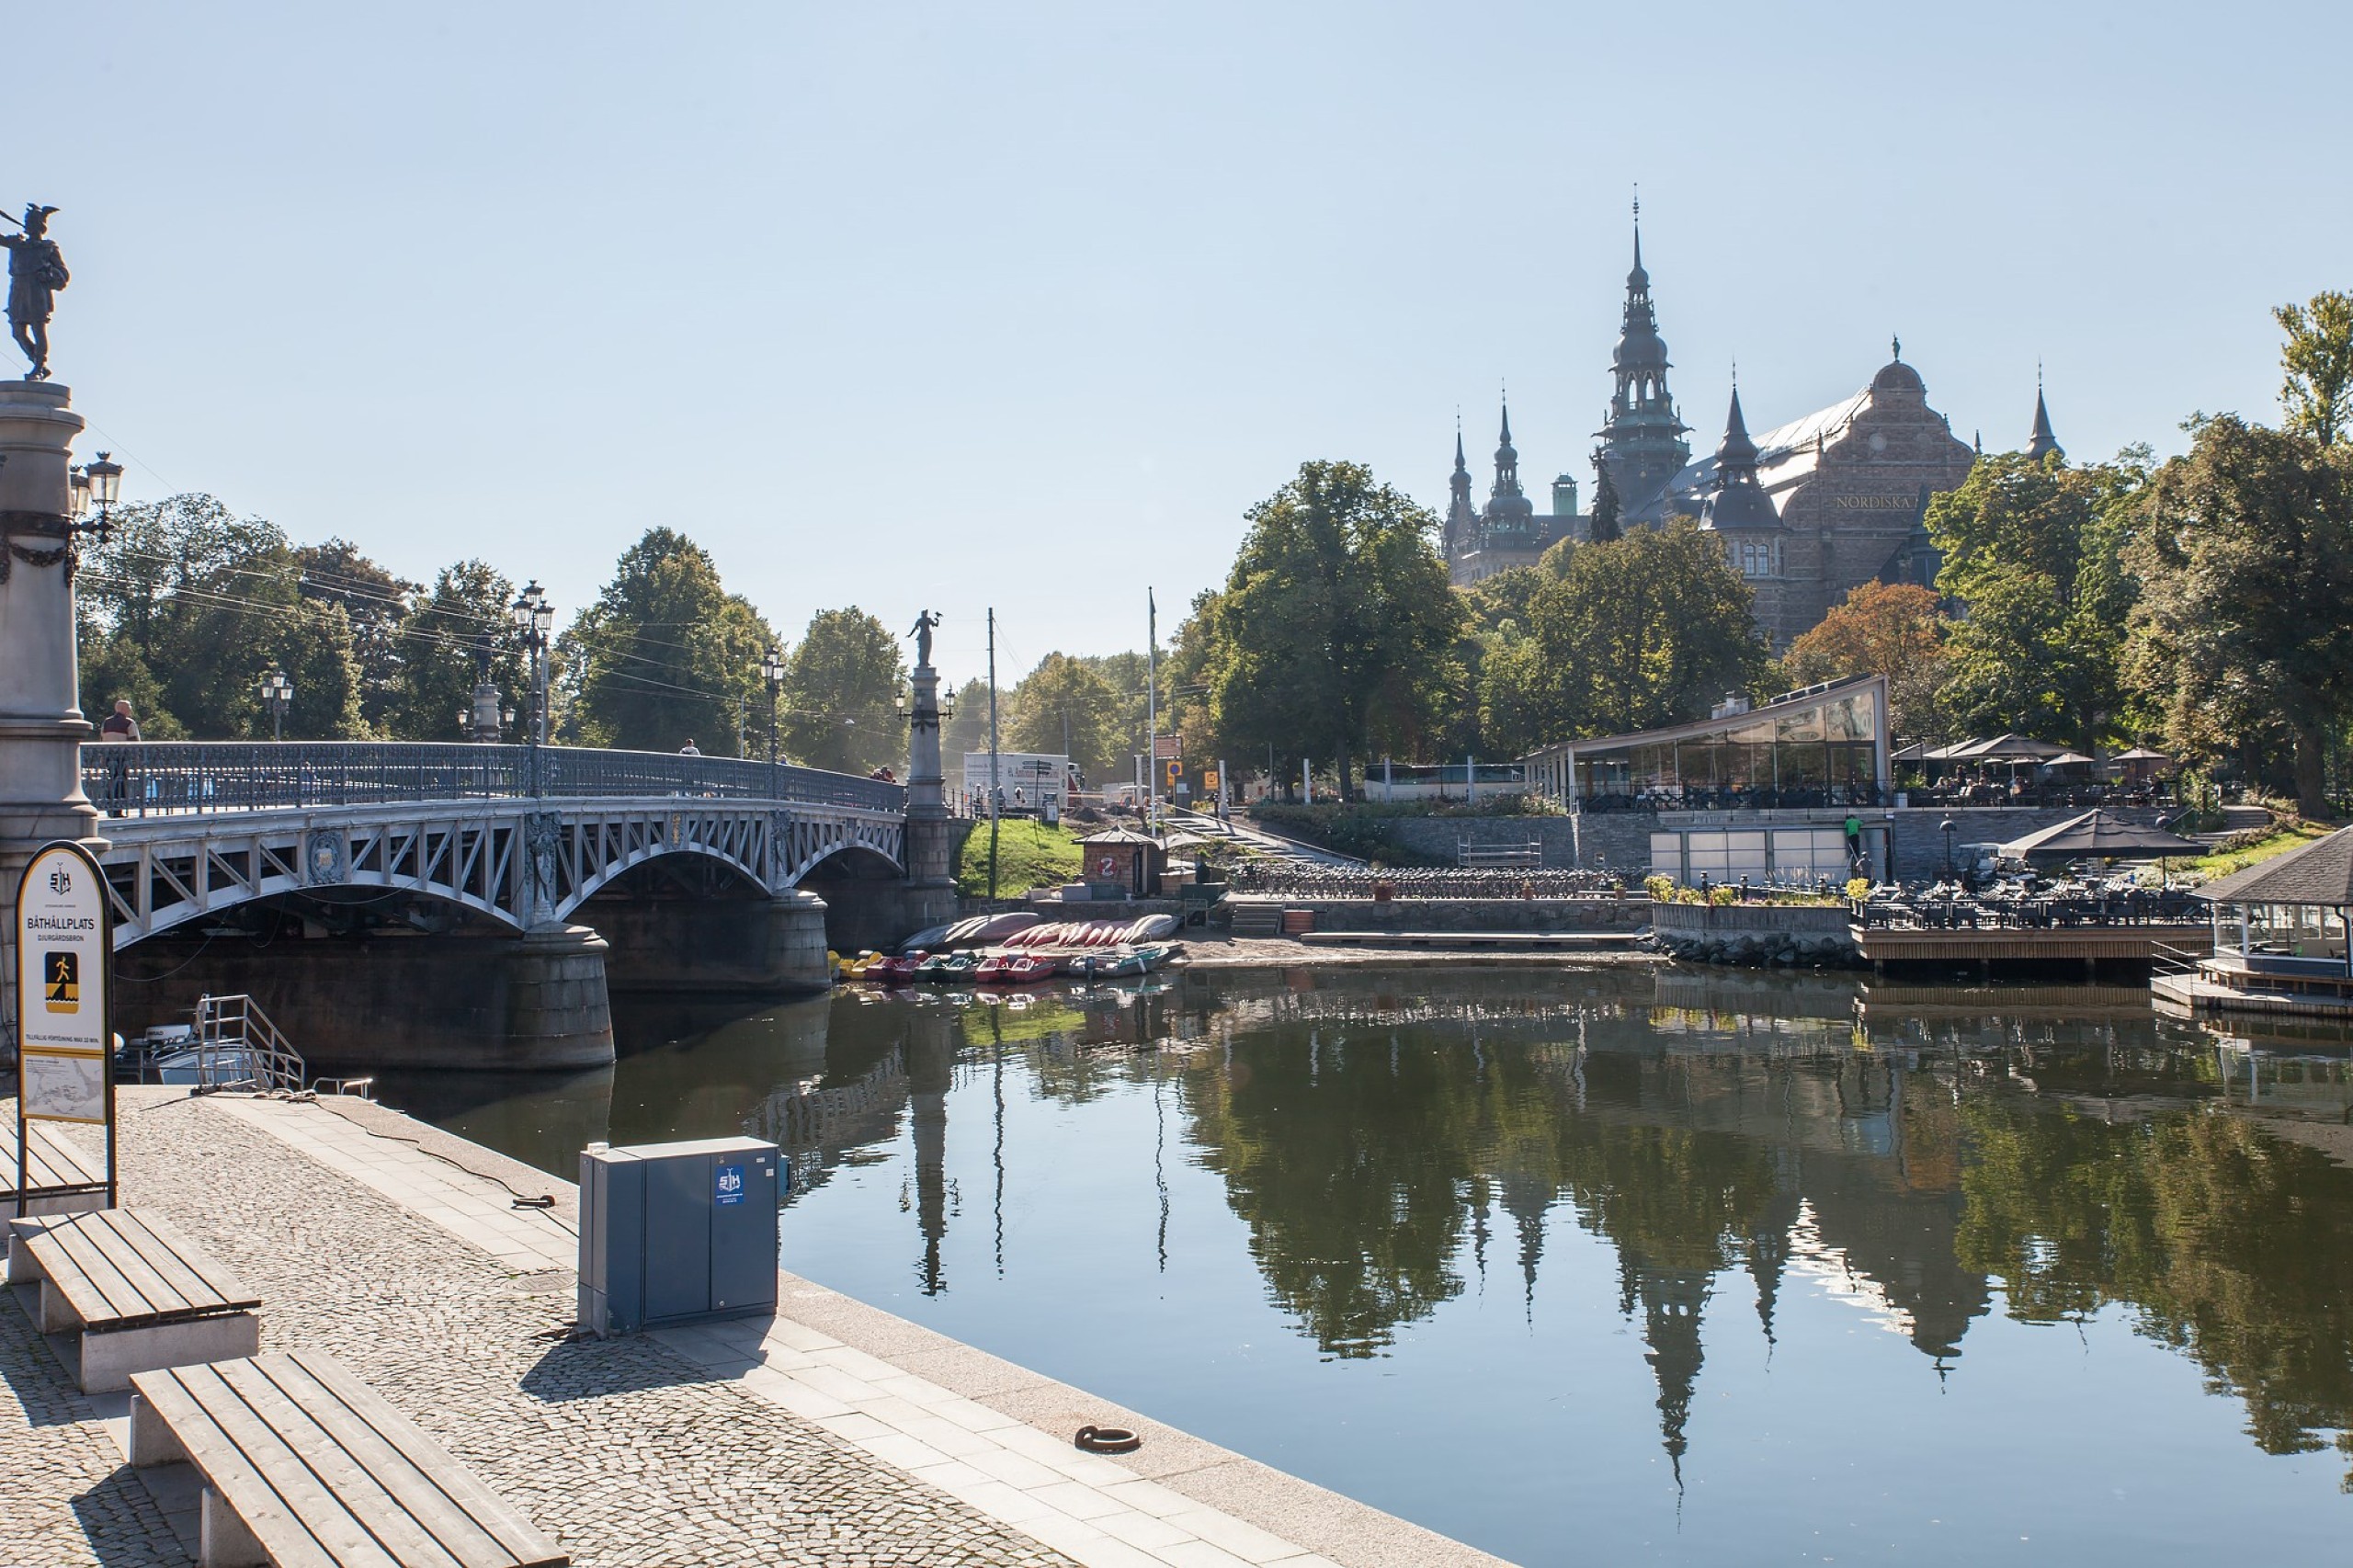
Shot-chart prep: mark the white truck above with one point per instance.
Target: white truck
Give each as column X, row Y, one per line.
column 1025, row 781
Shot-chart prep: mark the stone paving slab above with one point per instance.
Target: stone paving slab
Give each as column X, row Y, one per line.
column 992, row 1434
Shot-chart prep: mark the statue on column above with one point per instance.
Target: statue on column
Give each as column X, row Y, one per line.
column 921, row 632
column 36, row 272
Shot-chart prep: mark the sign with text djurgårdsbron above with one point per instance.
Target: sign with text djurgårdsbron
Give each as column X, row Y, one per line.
column 62, row 1039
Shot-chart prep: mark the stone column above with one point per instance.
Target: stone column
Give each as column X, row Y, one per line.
column 558, row 1014
column 42, row 727
column 931, row 881
column 797, row 942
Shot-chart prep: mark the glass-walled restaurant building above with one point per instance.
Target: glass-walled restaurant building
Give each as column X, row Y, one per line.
column 1824, row 746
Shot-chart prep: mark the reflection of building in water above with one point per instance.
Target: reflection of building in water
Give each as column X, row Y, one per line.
column 1673, row 1300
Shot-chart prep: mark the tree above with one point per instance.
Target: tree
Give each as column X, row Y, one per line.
column 1064, row 706
column 1645, row 629
column 1605, row 504
column 375, row 602
column 1896, row 630
column 205, row 603
column 665, row 654
column 443, row 644
column 968, row 731
column 2033, row 551
column 839, row 690
column 2243, row 634
column 1127, row 676
column 1335, row 619
column 2317, row 359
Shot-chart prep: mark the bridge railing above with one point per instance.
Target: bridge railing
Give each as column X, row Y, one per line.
column 172, row 778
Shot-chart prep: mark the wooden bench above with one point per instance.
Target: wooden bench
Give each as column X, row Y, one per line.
column 304, row 1466
column 68, row 1181
column 137, row 1292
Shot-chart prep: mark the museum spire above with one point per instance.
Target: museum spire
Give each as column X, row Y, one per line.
column 2041, row 443
column 1506, row 503
column 1642, row 437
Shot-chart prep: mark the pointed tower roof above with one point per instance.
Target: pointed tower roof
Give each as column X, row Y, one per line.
column 1740, row 502
column 1461, row 515
column 1506, row 502
column 2041, row 443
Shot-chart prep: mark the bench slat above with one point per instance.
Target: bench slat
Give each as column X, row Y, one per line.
column 513, row 1537
column 117, row 1243
column 118, row 1268
column 53, row 1160
column 300, row 1518
column 376, row 1491
column 326, row 1474
column 172, row 1254
column 92, row 1287
column 184, row 1398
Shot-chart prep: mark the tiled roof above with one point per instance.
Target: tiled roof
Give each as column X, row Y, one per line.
column 2321, row 873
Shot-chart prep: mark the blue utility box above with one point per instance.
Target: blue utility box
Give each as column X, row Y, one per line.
column 677, row 1233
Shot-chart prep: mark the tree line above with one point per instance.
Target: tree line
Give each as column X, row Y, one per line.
column 187, row 607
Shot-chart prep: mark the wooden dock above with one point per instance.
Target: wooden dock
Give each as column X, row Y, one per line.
column 1985, row 947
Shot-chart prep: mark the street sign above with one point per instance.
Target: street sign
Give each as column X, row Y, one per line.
column 1209, row 781
column 1175, row 772
column 64, row 1045
column 1163, row 747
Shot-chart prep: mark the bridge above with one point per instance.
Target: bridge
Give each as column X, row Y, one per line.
column 426, row 905
column 478, row 898
column 520, row 835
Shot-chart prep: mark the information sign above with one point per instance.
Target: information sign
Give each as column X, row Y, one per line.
column 62, row 1036
column 1165, row 747
column 64, row 1047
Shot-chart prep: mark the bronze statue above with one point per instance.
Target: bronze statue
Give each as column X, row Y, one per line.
column 36, row 272
column 921, row 632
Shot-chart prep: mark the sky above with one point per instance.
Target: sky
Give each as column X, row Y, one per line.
column 1024, row 306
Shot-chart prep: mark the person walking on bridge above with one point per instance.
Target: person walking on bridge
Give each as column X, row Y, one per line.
column 690, row 749
column 118, row 728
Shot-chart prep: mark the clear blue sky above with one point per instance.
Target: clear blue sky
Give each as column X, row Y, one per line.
column 957, row 305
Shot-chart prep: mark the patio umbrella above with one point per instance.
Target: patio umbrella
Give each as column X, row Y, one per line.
column 2067, row 759
column 2140, row 754
column 2098, row 833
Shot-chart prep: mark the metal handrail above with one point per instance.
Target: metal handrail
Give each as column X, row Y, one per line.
column 174, row 778
column 233, row 1026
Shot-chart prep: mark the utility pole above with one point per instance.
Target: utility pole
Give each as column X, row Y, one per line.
column 1152, row 706
column 993, row 787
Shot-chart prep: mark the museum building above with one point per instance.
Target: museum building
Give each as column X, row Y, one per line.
column 1807, row 511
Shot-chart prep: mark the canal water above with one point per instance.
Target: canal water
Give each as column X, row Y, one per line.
column 1589, row 1268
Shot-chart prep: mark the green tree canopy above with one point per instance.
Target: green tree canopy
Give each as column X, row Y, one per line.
column 2244, row 636
column 840, row 688
column 187, row 606
column 2033, row 549
column 2316, row 360
column 1066, row 699
column 441, row 643
column 665, row 654
column 375, row 602
column 1644, row 629
column 1330, row 636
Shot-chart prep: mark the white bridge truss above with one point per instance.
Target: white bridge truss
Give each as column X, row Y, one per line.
column 520, row 862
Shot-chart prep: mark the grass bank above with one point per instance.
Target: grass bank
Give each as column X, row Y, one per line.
column 2235, row 856
column 1029, row 854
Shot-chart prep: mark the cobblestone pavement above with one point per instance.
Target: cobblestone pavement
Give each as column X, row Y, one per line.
column 66, row 1498
column 624, row 1451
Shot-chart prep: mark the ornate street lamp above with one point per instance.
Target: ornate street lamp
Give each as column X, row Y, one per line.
column 534, row 618
column 278, row 692
column 772, row 676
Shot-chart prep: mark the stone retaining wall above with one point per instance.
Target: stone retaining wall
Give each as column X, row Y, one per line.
column 1756, row 933
column 1629, row 913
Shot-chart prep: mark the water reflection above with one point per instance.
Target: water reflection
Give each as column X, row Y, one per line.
column 1921, row 1159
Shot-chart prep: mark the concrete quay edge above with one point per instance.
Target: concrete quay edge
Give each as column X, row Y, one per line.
column 1229, row 1508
